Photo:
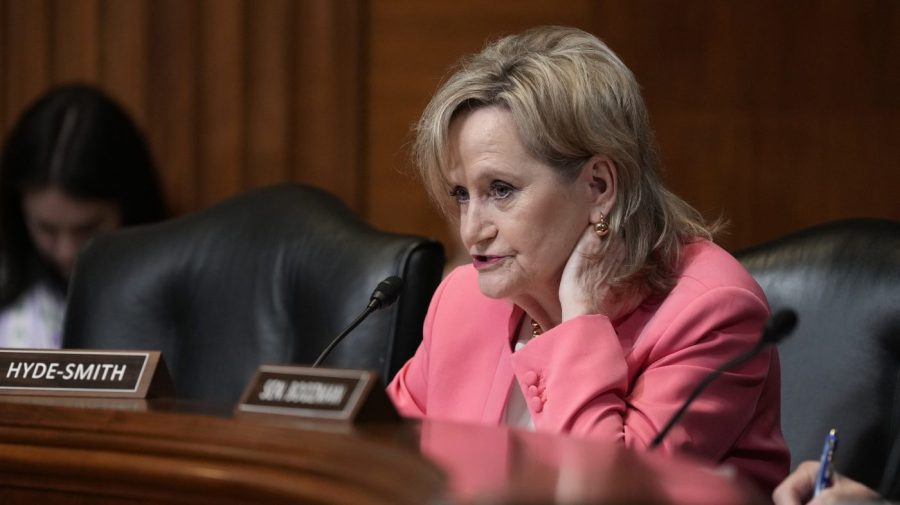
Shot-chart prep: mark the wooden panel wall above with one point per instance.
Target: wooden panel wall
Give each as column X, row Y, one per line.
column 232, row 94
column 775, row 114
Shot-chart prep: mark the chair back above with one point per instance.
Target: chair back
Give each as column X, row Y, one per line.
column 841, row 367
column 270, row 276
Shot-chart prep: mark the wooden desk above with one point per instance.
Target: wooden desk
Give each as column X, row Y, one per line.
column 78, row 451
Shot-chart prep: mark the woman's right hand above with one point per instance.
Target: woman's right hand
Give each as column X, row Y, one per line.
column 584, row 287
column 798, row 487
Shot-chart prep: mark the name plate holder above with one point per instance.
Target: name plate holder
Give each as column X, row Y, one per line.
column 319, row 394
column 84, row 373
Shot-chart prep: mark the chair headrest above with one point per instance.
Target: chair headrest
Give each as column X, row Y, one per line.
column 841, row 366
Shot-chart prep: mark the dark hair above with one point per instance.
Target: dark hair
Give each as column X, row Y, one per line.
column 76, row 139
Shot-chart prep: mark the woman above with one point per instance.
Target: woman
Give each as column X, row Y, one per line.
column 595, row 301
column 73, row 166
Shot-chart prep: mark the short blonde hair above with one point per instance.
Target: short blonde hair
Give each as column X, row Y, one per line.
column 571, row 98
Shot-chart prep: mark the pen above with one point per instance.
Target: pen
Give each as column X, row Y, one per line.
column 826, row 463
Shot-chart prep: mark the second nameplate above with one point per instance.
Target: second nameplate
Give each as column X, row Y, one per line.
column 322, row 394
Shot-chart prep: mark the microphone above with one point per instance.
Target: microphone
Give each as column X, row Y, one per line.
column 780, row 325
column 385, row 294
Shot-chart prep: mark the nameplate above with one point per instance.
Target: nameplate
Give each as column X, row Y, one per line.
column 84, row 373
column 326, row 394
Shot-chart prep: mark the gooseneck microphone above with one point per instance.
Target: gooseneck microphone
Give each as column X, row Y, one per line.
column 385, row 294
column 780, row 325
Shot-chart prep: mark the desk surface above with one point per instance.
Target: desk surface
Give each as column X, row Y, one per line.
column 61, row 450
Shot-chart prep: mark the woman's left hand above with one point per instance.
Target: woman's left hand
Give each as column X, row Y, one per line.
column 584, row 287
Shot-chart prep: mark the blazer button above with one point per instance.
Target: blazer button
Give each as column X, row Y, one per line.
column 530, row 378
column 536, row 404
column 532, row 391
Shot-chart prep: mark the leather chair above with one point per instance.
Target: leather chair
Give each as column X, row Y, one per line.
column 270, row 276
column 841, row 367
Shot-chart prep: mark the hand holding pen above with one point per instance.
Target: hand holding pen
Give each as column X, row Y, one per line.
column 825, row 476
column 818, row 482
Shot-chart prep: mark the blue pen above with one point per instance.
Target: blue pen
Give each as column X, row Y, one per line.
column 826, row 463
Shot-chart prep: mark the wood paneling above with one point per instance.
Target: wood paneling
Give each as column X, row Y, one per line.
column 328, row 88
column 3, row 57
column 269, row 89
column 221, row 94
column 776, row 115
column 124, row 40
column 75, row 40
column 173, row 119
column 231, row 94
column 26, row 37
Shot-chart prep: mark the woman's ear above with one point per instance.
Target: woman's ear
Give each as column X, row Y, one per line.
column 601, row 174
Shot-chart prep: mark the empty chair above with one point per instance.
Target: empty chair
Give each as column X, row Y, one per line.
column 841, row 367
column 270, row 276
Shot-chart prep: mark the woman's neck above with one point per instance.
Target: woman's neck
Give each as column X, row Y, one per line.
column 546, row 312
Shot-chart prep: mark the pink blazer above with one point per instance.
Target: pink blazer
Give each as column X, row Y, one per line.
column 613, row 380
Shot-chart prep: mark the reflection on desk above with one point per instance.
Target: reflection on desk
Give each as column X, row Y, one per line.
column 60, row 450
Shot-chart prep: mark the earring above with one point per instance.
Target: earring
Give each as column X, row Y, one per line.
column 601, row 228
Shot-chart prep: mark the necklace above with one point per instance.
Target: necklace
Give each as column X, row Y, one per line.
column 536, row 328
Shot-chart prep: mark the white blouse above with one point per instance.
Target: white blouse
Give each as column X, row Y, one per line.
column 517, row 414
column 34, row 320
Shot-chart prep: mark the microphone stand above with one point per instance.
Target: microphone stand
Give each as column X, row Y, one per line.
column 354, row 324
column 384, row 295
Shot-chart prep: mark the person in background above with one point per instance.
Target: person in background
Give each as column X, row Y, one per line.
column 595, row 301
column 74, row 165
column 797, row 489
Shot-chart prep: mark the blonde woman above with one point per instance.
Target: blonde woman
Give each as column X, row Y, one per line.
column 595, row 300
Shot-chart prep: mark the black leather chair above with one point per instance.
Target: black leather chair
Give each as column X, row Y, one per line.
column 270, row 276
column 841, row 367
